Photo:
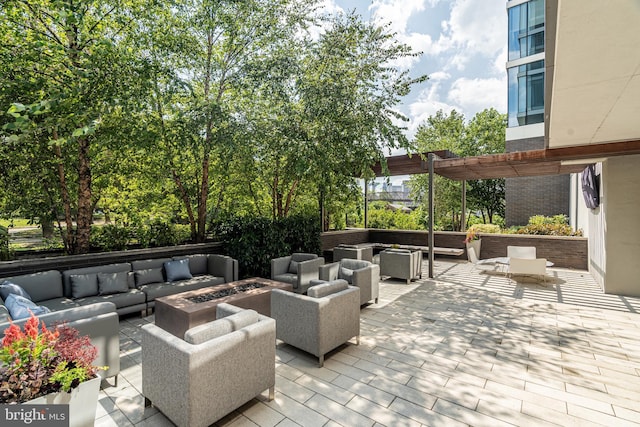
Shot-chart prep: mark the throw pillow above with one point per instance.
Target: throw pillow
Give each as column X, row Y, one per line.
column 177, row 270
column 84, row 285
column 8, row 287
column 293, row 267
column 20, row 307
column 346, row 274
column 319, row 291
column 148, row 275
column 112, row 283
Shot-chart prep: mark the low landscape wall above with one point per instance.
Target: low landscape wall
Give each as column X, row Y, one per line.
column 566, row 252
column 67, row 262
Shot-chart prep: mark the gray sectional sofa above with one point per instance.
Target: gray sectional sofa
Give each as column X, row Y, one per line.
column 91, row 299
column 130, row 286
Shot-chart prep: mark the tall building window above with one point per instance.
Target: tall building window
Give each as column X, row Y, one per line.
column 526, row 94
column 526, row 82
column 526, row 29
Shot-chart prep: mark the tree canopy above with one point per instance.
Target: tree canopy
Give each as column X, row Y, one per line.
column 483, row 134
column 190, row 111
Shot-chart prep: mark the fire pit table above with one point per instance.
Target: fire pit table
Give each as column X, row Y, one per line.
column 180, row 312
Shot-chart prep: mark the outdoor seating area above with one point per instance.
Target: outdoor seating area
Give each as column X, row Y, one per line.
column 468, row 347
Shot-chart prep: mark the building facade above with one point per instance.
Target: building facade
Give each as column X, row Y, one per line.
column 529, row 196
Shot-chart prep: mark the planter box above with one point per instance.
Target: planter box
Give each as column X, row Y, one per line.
column 475, row 244
column 82, row 402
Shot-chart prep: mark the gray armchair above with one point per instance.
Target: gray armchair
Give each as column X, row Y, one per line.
column 218, row 367
column 299, row 269
column 353, row 252
column 318, row 322
column 401, row 264
column 363, row 274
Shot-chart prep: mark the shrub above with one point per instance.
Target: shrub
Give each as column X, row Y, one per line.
column 255, row 241
column 485, row 228
column 110, row 237
column 557, row 225
column 161, row 233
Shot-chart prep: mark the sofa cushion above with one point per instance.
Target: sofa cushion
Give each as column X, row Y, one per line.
column 122, row 299
column 345, row 274
column 159, row 290
column 148, row 275
column 112, row 283
column 319, row 291
column 177, row 270
column 20, row 307
column 354, row 264
column 40, row 286
column 148, row 263
column 287, row 278
column 197, row 263
column 243, row 318
column 57, row 304
column 7, row 287
column 5, row 317
column 217, row 328
column 293, row 267
column 208, row 331
column 84, row 285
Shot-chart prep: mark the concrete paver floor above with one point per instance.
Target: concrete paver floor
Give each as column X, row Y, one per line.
column 469, row 347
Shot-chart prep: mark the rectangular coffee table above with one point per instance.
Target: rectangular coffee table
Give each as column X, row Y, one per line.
column 180, row 312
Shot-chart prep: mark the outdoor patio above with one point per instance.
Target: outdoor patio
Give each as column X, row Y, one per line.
column 470, row 347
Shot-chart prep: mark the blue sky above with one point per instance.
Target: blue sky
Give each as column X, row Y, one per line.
column 464, row 51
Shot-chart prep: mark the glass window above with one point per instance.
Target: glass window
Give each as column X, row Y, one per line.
column 536, row 14
column 514, row 32
column 512, row 97
column 526, row 94
column 526, row 29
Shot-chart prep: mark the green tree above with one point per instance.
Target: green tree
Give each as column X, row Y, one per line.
column 484, row 134
column 65, row 73
column 441, row 132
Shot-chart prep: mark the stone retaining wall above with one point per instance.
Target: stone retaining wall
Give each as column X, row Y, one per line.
column 567, row 252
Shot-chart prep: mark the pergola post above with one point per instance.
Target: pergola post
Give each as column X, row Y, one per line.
column 366, row 203
column 430, row 157
column 463, row 217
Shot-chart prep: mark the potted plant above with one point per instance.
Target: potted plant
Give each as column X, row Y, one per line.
column 42, row 366
column 473, row 241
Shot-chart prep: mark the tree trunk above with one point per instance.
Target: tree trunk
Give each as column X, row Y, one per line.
column 47, row 227
column 68, row 237
column 202, row 201
column 85, row 211
column 185, row 199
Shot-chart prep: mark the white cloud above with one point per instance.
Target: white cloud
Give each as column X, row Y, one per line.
column 474, row 95
column 329, row 7
column 395, row 12
column 439, row 75
column 428, row 104
column 474, row 28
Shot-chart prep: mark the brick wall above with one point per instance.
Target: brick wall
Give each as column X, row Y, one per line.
column 541, row 195
column 567, row 252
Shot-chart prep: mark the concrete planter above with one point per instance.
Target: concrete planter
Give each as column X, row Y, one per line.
column 475, row 244
column 82, row 402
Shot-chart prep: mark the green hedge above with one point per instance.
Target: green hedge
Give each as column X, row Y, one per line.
column 255, row 241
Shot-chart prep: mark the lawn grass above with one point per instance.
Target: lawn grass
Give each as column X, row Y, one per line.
column 16, row 222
